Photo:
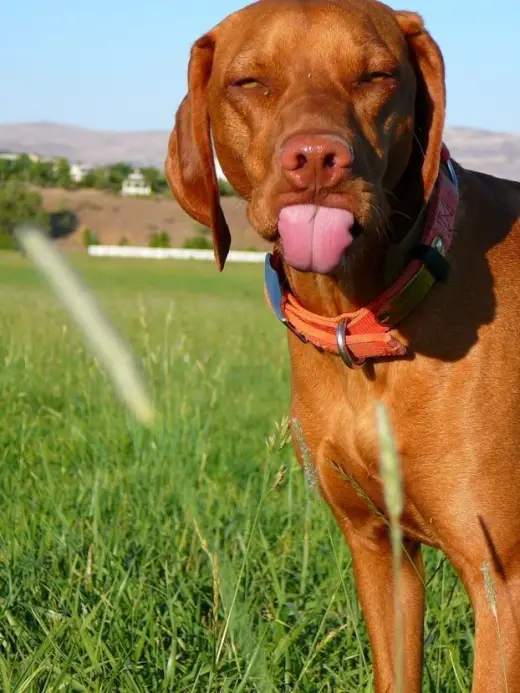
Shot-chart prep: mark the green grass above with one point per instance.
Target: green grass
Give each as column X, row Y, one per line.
column 191, row 558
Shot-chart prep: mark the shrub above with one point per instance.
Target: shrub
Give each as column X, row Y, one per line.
column 159, row 239
column 198, row 243
column 62, row 223
column 88, row 237
column 124, row 241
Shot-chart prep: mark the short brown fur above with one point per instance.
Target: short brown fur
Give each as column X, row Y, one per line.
column 455, row 404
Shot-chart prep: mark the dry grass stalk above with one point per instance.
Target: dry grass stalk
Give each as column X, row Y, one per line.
column 392, row 484
column 111, row 350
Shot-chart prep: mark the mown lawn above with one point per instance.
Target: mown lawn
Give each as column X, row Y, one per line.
column 178, row 559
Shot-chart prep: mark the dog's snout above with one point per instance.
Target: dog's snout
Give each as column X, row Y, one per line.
column 316, row 161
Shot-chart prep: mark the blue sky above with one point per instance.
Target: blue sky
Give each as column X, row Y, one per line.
column 121, row 64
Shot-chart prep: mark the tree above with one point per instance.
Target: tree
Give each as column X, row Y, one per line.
column 41, row 173
column 20, row 168
column 117, row 173
column 18, row 205
column 98, row 178
column 150, row 174
column 15, row 169
column 155, row 179
column 5, row 170
column 62, row 173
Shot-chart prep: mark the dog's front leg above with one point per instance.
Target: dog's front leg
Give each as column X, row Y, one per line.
column 374, row 580
column 495, row 596
column 366, row 533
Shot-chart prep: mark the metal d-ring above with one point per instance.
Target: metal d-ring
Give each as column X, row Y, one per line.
column 344, row 351
column 453, row 175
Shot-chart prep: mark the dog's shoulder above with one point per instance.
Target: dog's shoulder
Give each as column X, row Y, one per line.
column 488, row 190
column 489, row 206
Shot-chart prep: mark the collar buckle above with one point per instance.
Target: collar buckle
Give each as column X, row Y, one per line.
column 274, row 295
column 346, row 355
column 273, row 289
column 453, row 175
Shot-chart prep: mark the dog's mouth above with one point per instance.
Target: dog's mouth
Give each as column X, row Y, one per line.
column 357, row 229
column 315, row 238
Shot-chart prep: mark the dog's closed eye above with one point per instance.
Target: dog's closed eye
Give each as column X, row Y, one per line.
column 250, row 84
column 379, row 77
column 247, row 83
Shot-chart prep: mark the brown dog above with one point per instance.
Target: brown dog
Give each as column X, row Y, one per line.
column 327, row 116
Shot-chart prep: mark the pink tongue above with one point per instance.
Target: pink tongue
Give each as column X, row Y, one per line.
column 314, row 238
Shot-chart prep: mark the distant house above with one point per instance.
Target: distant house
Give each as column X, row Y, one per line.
column 135, row 184
column 79, row 171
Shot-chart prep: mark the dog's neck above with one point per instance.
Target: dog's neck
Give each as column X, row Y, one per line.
column 365, row 273
column 355, row 284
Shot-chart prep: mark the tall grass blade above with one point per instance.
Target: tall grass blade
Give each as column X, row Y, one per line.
column 391, row 476
column 106, row 344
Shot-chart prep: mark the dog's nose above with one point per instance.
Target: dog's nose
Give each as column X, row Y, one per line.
column 316, row 161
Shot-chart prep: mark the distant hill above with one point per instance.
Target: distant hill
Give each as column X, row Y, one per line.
column 495, row 153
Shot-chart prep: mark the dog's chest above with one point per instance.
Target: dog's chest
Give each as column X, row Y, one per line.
column 337, row 429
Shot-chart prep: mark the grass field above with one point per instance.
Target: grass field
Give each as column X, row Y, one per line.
column 179, row 559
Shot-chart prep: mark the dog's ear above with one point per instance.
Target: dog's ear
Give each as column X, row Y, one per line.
column 190, row 164
column 430, row 107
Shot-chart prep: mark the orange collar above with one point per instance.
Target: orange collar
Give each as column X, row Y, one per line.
column 367, row 332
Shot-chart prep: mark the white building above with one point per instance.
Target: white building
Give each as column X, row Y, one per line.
column 9, row 156
column 79, row 171
column 135, row 184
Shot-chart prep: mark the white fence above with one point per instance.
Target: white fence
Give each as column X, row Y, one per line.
column 171, row 253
